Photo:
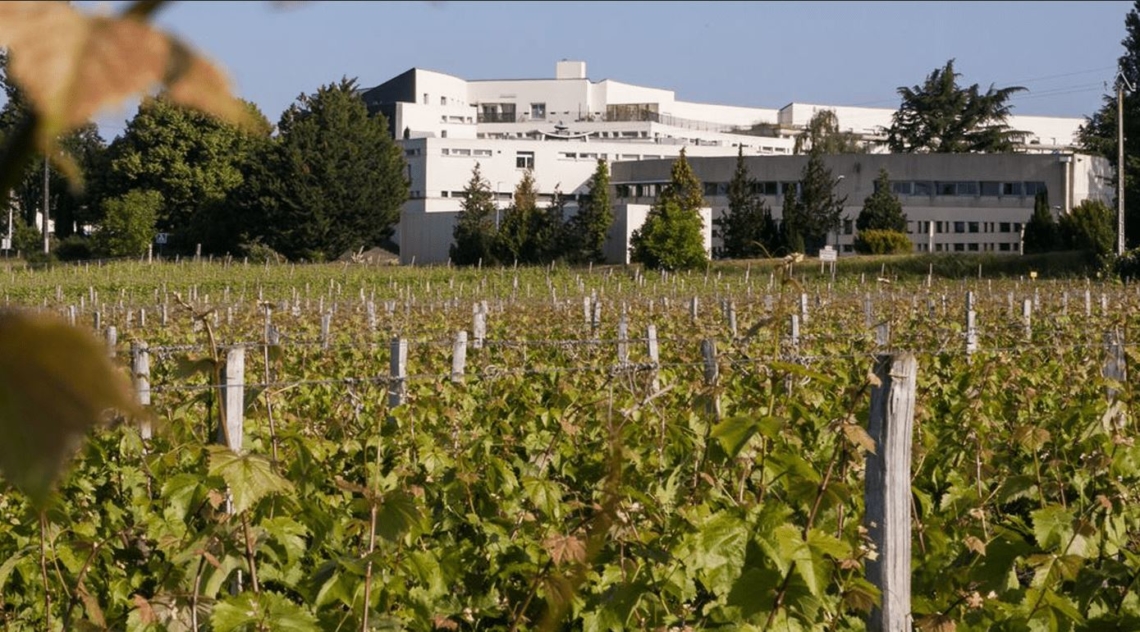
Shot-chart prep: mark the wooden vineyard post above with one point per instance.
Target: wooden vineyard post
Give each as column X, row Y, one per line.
column 623, row 342
column 479, row 327
column 888, row 490
column 882, row 335
column 1115, row 368
column 694, row 307
column 140, row 367
column 326, row 322
column 459, row 357
column 233, row 400
column 112, row 340
column 654, row 357
column 1027, row 317
column 971, row 325
column 398, row 371
column 804, row 308
column 731, row 315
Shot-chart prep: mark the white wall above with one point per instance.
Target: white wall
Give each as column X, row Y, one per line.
column 564, row 98
column 725, row 114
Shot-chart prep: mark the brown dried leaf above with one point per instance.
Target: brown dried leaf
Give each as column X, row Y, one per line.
column 565, row 548
column 146, row 612
column 93, row 62
column 442, row 622
column 975, row 544
column 56, row 383
column 936, row 623
column 857, row 435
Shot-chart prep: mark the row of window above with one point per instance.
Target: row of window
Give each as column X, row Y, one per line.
column 962, row 227
column 967, row 188
column 457, row 151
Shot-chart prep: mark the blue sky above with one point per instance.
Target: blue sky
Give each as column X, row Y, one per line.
column 760, row 54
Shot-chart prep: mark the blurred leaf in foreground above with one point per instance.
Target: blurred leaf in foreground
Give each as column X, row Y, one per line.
column 71, row 66
column 56, row 382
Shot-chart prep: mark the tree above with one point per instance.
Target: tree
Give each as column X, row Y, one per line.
column 591, row 225
column 822, row 132
column 474, row 233
column 791, row 222
column 818, row 210
column 1090, row 227
column 514, row 240
column 190, row 158
column 128, row 224
column 1098, row 135
column 940, row 117
column 343, row 179
column 671, row 237
column 882, row 209
column 1041, row 230
column 746, row 229
column 550, row 231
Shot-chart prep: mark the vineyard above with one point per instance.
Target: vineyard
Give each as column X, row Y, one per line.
column 342, row 447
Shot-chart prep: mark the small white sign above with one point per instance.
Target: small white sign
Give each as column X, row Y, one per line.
column 5, row 244
column 160, row 239
column 827, row 253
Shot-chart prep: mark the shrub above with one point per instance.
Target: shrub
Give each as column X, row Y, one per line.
column 882, row 242
column 74, row 248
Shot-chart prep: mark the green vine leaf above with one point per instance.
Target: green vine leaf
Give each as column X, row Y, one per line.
column 56, row 382
column 248, row 612
column 250, row 477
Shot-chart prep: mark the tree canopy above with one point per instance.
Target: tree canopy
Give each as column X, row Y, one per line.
column 342, row 179
column 817, row 211
column 939, row 116
column 473, row 237
column 823, row 133
column 882, row 210
column 588, row 229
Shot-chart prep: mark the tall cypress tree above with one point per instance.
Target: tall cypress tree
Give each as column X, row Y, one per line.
column 513, row 240
column 589, row 228
column 746, row 229
column 821, row 210
column 671, row 237
column 1041, row 230
column 474, row 234
column 882, row 210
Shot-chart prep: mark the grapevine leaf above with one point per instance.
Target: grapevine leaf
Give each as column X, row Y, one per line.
column 249, row 476
column 734, row 432
column 720, row 555
column 263, row 611
column 1052, row 526
column 858, row 436
column 396, row 515
column 56, row 382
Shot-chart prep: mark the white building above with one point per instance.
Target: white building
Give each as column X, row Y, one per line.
column 560, row 127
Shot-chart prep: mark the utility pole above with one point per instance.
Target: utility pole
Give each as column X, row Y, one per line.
column 1121, row 83
column 47, row 243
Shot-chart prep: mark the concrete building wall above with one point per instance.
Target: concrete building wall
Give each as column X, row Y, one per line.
column 561, row 99
column 989, row 219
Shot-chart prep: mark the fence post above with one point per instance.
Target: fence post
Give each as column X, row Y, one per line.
column 732, row 318
column 326, row 322
column 140, row 367
column 459, row 357
column 694, row 308
column 1115, row 368
column 882, row 335
column 398, row 370
column 804, row 308
column 708, row 352
column 888, row 489
column 795, row 334
column 479, row 328
column 233, row 399
column 654, row 356
column 112, row 340
column 623, row 341
column 971, row 325
column 1027, row 317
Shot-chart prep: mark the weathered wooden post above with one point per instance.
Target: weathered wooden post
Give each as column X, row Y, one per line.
column 623, row 342
column 654, row 357
column 888, row 490
column 140, row 367
column 233, row 400
column 459, row 357
column 398, row 372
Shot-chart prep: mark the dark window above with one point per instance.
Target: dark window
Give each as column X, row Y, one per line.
column 1011, row 188
column 947, row 188
column 973, row 247
column 973, row 227
column 1003, row 227
column 959, row 227
column 959, row 247
column 524, row 160
column 992, row 189
column 923, row 188
column 967, row 188
column 900, row 188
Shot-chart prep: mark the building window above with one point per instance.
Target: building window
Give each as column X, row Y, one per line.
column 959, row 247
column 973, row 227
column 848, row 227
column 1011, row 188
column 959, row 227
column 444, row 193
column 923, row 188
column 1003, row 227
column 426, row 100
column 443, row 100
column 443, row 133
column 991, row 189
column 1003, row 247
column 538, row 110
column 524, row 160
column 972, row 247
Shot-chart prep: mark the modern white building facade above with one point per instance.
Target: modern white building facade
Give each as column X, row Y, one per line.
column 559, row 127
